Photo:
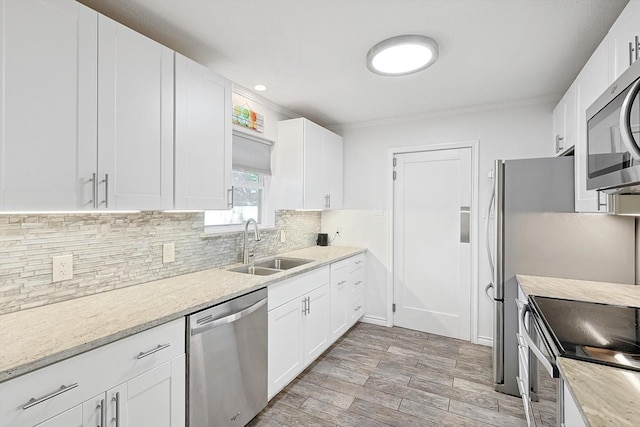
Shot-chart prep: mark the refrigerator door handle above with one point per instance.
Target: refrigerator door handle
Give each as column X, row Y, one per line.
column 487, row 225
column 486, row 292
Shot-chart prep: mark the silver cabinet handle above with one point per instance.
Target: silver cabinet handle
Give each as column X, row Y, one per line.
column 465, row 212
column 106, row 190
column 35, row 401
column 559, row 143
column 342, row 282
column 637, row 42
column 308, row 305
column 359, row 282
column 329, row 205
column 230, row 198
column 103, row 414
column 304, row 306
column 144, row 354
column 358, row 262
column 116, row 399
column 94, row 185
column 625, row 121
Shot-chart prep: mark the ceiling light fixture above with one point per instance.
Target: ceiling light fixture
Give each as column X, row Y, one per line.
column 402, row 55
column 260, row 88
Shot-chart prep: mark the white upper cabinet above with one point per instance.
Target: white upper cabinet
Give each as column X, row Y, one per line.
column 308, row 164
column 624, row 40
column 202, row 137
column 564, row 123
column 135, row 122
column 48, row 101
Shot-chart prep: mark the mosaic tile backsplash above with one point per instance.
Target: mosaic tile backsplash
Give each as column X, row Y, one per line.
column 112, row 251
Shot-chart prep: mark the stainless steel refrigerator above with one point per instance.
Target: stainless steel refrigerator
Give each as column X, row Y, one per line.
column 532, row 229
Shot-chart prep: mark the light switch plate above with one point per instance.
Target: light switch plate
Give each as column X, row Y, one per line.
column 62, row 268
column 168, row 252
column 283, row 236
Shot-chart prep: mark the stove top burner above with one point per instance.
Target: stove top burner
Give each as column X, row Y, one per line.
column 601, row 333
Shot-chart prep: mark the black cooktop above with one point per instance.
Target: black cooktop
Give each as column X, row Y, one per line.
column 601, row 333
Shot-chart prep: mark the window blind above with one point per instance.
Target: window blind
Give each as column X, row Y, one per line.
column 251, row 153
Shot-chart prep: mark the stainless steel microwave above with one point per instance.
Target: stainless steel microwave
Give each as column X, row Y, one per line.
column 613, row 136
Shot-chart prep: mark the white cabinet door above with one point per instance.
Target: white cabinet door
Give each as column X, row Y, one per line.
column 571, row 416
column 285, row 344
column 316, row 323
column 339, row 299
column 590, row 84
column 202, row 138
column 308, row 166
column 94, row 411
column 70, row 418
column 135, row 121
column 155, row 398
column 334, row 168
column 315, row 171
column 625, row 40
column 48, row 94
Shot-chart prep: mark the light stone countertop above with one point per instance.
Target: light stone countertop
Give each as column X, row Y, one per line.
column 37, row 337
column 605, row 395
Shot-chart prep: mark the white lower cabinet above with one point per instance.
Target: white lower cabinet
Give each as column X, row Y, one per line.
column 310, row 312
column 570, row 413
column 299, row 330
column 137, row 381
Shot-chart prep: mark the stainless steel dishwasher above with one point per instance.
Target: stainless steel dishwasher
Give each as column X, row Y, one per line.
column 227, row 362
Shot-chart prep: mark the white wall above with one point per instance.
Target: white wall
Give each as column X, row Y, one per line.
column 516, row 131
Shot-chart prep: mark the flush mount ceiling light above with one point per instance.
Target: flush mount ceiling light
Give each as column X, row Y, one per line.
column 260, row 88
column 402, row 55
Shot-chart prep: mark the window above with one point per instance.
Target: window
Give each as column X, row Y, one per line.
column 249, row 193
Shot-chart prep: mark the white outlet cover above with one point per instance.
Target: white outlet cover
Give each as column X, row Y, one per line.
column 168, row 252
column 62, row 268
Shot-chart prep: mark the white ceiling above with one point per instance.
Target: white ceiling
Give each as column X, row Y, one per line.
column 311, row 53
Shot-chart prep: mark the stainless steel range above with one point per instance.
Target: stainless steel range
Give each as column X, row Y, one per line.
column 593, row 332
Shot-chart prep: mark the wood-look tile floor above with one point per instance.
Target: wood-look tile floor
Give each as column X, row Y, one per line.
column 378, row 376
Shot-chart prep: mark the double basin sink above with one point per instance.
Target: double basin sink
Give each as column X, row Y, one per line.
column 271, row 266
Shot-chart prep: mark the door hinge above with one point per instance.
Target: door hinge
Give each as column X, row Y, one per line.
column 393, row 307
column 395, row 162
column 394, row 175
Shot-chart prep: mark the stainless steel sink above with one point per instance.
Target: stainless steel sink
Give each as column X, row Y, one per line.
column 282, row 263
column 258, row 271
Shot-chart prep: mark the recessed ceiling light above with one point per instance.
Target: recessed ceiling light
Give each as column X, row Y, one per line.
column 402, row 55
column 260, row 88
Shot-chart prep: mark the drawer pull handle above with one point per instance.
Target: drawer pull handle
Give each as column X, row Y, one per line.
column 144, row 354
column 33, row 401
column 342, row 282
column 359, row 262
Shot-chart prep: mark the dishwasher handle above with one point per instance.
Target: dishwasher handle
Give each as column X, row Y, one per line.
column 214, row 323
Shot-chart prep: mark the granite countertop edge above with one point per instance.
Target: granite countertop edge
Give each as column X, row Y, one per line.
column 240, row 284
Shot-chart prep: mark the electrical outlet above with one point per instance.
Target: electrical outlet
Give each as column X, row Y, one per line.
column 283, row 236
column 168, row 252
column 62, row 268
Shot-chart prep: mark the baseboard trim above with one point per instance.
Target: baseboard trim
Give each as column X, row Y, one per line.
column 485, row 341
column 374, row 320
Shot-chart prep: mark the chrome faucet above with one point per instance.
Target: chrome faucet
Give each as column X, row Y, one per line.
column 245, row 258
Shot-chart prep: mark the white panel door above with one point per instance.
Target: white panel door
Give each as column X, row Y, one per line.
column 285, row 344
column 135, row 120
column 315, row 174
column 47, row 101
column 432, row 277
column 203, row 137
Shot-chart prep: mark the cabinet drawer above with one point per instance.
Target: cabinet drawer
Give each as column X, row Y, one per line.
column 86, row 375
column 290, row 289
column 357, row 263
